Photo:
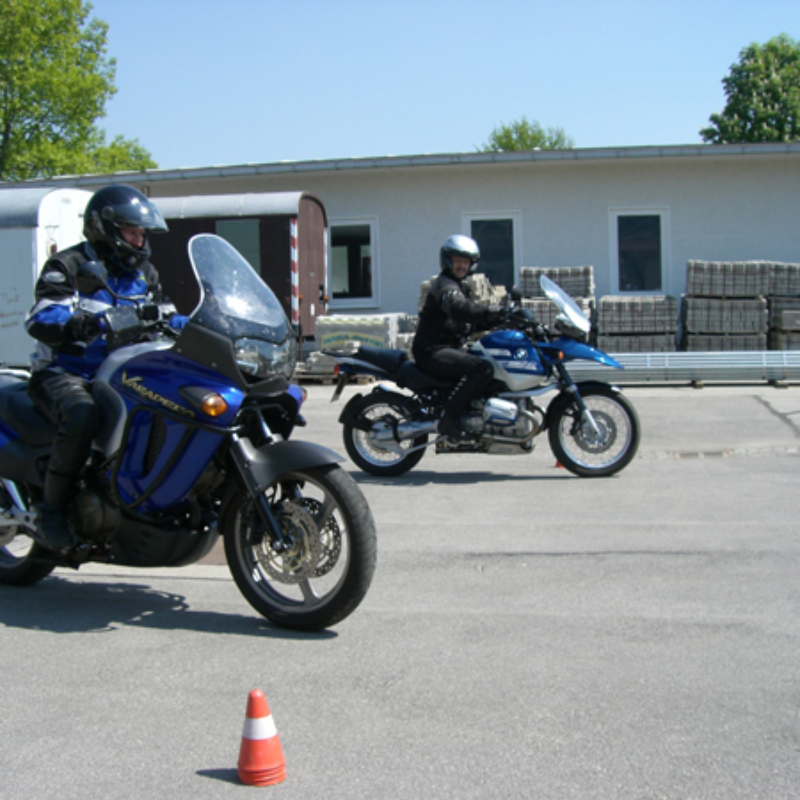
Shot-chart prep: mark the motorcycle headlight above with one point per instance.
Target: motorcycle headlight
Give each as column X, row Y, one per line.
column 264, row 359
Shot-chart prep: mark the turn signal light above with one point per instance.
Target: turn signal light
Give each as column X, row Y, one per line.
column 214, row 405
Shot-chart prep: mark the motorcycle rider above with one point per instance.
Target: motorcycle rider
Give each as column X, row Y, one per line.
column 71, row 346
column 447, row 318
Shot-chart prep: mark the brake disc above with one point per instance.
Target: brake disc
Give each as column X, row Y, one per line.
column 330, row 538
column 298, row 562
column 608, row 434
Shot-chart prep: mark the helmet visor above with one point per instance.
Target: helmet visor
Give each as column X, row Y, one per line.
column 137, row 213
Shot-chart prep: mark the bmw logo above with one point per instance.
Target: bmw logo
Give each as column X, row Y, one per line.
column 520, row 354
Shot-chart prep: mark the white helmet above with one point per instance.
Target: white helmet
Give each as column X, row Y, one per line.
column 459, row 245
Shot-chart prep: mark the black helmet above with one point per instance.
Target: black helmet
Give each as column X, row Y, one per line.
column 459, row 246
column 107, row 211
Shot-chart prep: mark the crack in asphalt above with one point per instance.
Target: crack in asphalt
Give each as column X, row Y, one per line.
column 743, row 452
column 785, row 417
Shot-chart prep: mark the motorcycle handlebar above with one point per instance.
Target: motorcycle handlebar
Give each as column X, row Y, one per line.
column 130, row 324
column 523, row 319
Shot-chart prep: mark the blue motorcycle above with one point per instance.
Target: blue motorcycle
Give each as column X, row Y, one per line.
column 592, row 427
column 195, row 444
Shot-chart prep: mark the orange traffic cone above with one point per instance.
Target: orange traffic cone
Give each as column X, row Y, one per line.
column 261, row 761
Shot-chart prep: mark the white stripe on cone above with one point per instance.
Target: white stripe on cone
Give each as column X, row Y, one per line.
column 260, row 728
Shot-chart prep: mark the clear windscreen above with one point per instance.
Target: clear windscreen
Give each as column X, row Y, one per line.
column 234, row 300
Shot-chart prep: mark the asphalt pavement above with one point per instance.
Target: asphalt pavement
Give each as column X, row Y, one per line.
column 528, row 634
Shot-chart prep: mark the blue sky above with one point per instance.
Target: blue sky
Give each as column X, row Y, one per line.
column 211, row 82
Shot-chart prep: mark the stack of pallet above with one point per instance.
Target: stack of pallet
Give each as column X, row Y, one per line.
column 347, row 332
column 784, row 306
column 725, row 306
column 375, row 330
column 577, row 282
column 320, row 368
column 631, row 324
column 481, row 290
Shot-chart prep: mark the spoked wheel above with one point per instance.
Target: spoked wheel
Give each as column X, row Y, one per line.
column 20, row 563
column 328, row 566
column 589, row 453
column 376, row 451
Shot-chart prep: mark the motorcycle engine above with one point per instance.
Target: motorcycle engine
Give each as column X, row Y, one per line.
column 496, row 418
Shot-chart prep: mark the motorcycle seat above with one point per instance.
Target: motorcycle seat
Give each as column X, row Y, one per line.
column 17, row 409
column 386, row 359
column 412, row 377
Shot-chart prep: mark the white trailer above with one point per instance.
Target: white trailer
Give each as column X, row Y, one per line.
column 34, row 223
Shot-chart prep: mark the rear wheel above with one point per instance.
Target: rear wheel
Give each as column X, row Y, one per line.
column 584, row 451
column 376, row 451
column 328, row 566
column 20, row 563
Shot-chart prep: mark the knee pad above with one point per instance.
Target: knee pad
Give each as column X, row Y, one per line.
column 80, row 420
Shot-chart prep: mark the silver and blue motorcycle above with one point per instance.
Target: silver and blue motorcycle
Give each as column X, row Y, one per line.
column 593, row 429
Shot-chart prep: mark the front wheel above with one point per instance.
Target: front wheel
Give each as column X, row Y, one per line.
column 377, row 451
column 585, row 451
column 328, row 566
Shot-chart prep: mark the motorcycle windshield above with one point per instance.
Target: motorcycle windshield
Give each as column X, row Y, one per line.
column 565, row 304
column 234, row 300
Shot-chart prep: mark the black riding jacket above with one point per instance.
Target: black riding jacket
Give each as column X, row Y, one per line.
column 448, row 315
column 58, row 298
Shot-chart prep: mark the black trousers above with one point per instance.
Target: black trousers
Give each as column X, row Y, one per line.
column 65, row 400
column 470, row 373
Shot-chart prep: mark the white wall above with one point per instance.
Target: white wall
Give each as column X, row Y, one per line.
column 56, row 223
column 731, row 207
column 16, row 293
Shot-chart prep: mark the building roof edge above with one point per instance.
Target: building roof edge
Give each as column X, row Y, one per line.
column 422, row 160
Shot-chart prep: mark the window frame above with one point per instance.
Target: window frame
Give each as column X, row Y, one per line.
column 467, row 218
column 614, row 213
column 373, row 300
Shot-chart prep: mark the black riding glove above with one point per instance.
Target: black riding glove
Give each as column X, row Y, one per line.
column 539, row 331
column 83, row 327
column 495, row 315
column 520, row 317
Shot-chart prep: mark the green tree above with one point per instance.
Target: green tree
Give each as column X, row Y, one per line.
column 524, row 135
column 55, row 81
column 763, row 96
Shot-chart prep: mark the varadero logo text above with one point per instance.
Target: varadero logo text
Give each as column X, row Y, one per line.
column 136, row 385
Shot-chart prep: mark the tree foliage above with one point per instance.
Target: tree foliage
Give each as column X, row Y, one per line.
column 763, row 96
column 524, row 135
column 55, row 81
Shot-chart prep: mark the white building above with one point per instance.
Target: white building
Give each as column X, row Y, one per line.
column 637, row 215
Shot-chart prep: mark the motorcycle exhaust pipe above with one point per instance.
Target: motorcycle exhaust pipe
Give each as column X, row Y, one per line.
column 405, row 430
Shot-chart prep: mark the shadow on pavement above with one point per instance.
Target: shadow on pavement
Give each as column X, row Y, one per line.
column 57, row 605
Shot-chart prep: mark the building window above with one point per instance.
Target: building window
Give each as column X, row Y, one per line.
column 352, row 265
column 639, row 239
column 496, row 235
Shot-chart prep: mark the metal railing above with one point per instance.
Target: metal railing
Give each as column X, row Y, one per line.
column 681, row 367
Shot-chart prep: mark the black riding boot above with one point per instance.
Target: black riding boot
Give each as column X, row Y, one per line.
column 53, row 526
column 460, row 400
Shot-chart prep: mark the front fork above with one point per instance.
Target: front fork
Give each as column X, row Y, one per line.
column 278, row 539
column 587, row 418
